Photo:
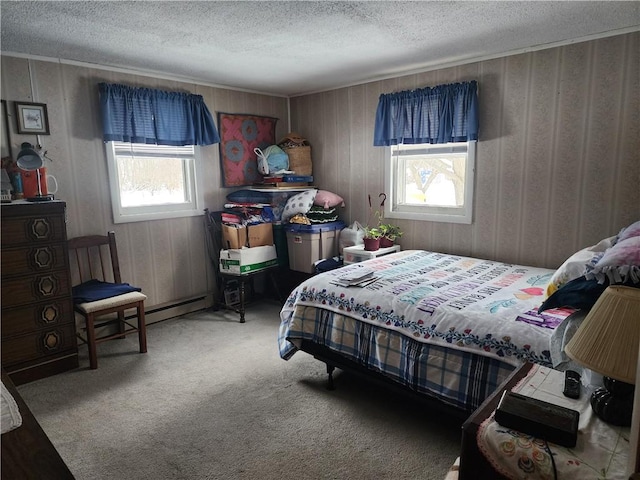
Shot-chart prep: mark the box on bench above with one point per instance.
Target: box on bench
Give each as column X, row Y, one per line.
column 247, row 260
column 257, row 235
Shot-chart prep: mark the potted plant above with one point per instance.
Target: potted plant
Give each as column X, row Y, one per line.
column 372, row 238
column 388, row 234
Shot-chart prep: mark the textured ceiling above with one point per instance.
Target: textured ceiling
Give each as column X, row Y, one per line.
column 290, row 48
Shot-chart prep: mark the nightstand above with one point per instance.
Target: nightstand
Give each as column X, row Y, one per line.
column 357, row 253
column 601, row 450
column 473, row 464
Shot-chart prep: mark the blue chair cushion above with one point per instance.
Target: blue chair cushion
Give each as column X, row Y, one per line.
column 94, row 290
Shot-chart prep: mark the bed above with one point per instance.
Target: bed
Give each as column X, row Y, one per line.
column 446, row 327
column 451, row 328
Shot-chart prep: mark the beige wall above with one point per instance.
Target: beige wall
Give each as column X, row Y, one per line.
column 167, row 258
column 558, row 162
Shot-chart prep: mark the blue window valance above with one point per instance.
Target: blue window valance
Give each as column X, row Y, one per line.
column 442, row 114
column 145, row 115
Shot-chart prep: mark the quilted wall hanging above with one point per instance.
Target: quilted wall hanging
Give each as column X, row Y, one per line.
column 239, row 135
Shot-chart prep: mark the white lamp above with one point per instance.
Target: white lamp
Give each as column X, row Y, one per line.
column 607, row 342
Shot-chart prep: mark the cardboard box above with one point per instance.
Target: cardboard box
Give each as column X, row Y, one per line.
column 247, row 260
column 251, row 236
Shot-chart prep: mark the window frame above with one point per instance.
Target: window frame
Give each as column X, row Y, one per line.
column 192, row 166
column 395, row 209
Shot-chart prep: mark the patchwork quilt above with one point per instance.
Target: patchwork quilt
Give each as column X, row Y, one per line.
column 478, row 306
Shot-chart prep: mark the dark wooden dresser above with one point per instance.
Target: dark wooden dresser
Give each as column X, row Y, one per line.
column 38, row 325
column 27, row 452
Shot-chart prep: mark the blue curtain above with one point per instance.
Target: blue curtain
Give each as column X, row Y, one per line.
column 144, row 115
column 442, row 114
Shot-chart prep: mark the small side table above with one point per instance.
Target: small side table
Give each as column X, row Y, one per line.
column 473, row 464
column 242, row 280
column 357, row 253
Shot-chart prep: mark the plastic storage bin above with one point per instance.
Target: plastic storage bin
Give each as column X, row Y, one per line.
column 307, row 244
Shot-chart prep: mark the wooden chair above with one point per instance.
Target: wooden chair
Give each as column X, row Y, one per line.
column 95, row 258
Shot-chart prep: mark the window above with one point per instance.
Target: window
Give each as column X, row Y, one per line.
column 150, row 182
column 430, row 181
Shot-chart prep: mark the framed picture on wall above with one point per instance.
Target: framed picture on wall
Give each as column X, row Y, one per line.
column 32, row 118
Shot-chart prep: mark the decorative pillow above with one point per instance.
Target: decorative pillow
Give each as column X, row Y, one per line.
column 299, row 203
column 620, row 263
column 327, row 199
column 632, row 230
column 578, row 293
column 573, row 267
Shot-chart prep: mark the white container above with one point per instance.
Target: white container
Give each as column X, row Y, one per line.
column 357, row 253
column 247, row 260
column 307, row 244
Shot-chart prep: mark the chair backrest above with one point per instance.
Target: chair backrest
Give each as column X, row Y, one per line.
column 94, row 257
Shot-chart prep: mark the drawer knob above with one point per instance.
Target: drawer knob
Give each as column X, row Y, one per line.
column 49, row 313
column 43, row 257
column 46, row 286
column 51, row 340
column 40, row 228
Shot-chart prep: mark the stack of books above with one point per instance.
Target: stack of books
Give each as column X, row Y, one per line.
column 360, row 277
column 285, row 180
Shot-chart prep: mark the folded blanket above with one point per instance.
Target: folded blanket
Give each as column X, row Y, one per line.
column 319, row 215
column 94, row 290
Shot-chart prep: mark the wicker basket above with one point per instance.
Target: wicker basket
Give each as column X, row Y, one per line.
column 299, row 152
column 300, row 160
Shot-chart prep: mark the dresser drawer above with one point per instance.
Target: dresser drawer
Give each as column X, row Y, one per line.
column 32, row 230
column 33, row 259
column 35, row 288
column 39, row 345
column 21, row 320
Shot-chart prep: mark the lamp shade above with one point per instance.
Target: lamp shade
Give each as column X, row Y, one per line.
column 28, row 158
column 607, row 340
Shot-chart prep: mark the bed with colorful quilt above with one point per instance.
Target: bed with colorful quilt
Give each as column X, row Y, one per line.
column 448, row 327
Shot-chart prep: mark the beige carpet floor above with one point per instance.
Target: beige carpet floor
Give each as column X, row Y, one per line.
column 212, row 399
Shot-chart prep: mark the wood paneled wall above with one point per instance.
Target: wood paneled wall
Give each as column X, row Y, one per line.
column 557, row 167
column 167, row 258
column 558, row 160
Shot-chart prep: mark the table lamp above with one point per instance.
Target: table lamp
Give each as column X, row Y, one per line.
column 607, row 343
column 30, row 160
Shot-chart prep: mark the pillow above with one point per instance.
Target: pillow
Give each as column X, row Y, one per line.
column 632, row 230
column 299, row 203
column 620, row 263
column 573, row 267
column 327, row 199
column 602, row 245
column 578, row 293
